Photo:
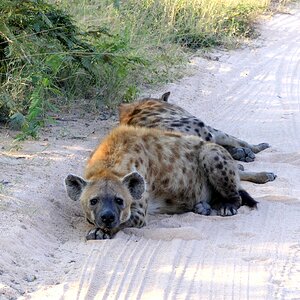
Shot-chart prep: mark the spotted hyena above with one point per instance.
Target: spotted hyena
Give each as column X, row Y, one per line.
column 158, row 113
column 137, row 171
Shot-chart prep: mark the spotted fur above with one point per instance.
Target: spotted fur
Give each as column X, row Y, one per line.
column 137, row 171
column 158, row 113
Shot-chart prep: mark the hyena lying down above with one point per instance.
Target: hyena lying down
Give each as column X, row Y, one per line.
column 158, row 113
column 152, row 112
column 136, row 171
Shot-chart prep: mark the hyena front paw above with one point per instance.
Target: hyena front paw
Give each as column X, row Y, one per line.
column 97, row 234
column 227, row 209
column 202, row 208
column 242, row 154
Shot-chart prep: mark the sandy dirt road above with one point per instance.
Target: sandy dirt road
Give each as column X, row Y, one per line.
column 254, row 94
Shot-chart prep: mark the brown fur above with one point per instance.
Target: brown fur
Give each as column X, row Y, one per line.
column 154, row 171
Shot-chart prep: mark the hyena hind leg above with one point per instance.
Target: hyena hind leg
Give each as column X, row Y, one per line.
column 257, row 177
column 223, row 179
column 239, row 149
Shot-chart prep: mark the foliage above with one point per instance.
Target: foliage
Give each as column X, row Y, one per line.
column 44, row 56
column 115, row 48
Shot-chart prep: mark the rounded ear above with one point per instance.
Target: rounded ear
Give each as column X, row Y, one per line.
column 165, row 96
column 74, row 186
column 135, row 183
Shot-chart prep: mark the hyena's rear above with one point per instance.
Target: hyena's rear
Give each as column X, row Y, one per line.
column 136, row 171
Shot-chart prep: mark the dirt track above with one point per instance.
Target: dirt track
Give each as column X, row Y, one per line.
column 252, row 93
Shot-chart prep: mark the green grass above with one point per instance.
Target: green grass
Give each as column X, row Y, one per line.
column 52, row 54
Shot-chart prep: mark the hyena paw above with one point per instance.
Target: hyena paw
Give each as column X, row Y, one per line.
column 97, row 234
column 202, row 208
column 267, row 177
column 227, row 209
column 242, row 154
column 240, row 167
column 260, row 147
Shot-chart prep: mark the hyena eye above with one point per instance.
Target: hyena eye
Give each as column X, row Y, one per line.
column 119, row 201
column 93, row 201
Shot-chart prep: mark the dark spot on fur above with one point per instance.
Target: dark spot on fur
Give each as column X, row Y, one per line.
column 153, row 114
column 161, row 110
column 169, row 201
column 189, row 156
column 207, row 139
column 226, row 178
column 219, row 166
column 153, row 187
column 159, row 147
column 216, row 158
column 140, row 213
column 136, row 111
column 201, row 124
column 172, row 160
column 165, row 182
column 176, row 124
column 223, row 173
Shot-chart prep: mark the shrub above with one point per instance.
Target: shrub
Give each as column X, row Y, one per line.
column 44, row 56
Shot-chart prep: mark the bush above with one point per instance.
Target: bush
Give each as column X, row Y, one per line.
column 44, row 56
column 115, row 48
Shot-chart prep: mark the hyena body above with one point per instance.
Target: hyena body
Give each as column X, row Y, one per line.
column 136, row 171
column 158, row 113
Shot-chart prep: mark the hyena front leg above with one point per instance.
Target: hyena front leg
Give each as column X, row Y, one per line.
column 239, row 149
column 138, row 215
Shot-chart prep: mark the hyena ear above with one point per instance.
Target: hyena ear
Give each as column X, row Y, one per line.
column 165, row 96
column 74, row 186
column 135, row 183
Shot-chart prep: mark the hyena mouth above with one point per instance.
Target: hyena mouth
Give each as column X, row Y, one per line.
column 107, row 227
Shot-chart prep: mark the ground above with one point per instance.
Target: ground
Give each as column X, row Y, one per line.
column 252, row 93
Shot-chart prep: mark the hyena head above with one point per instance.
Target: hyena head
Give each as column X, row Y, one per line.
column 106, row 201
column 126, row 109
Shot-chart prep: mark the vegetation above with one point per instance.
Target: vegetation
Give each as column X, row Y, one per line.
column 110, row 50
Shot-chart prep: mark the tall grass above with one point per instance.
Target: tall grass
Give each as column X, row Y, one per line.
column 54, row 53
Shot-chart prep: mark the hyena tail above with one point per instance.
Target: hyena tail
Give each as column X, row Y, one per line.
column 247, row 199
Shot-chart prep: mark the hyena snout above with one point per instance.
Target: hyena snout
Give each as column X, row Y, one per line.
column 108, row 218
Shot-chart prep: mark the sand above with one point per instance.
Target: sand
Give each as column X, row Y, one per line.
column 252, row 93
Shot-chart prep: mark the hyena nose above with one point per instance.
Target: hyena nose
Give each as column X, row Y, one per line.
column 108, row 218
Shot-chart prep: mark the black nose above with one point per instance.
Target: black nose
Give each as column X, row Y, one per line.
column 107, row 217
